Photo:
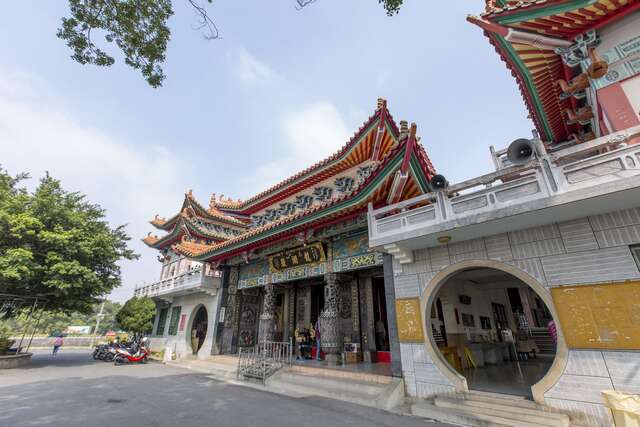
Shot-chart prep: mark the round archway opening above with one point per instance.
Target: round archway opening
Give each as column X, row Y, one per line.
column 493, row 329
column 199, row 329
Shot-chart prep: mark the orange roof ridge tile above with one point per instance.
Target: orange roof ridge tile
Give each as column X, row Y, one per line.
column 492, row 7
column 151, row 240
column 191, row 248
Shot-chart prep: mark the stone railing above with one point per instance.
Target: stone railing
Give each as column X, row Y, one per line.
column 571, row 171
column 193, row 279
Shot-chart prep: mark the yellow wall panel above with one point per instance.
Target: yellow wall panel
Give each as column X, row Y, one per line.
column 603, row 316
column 409, row 320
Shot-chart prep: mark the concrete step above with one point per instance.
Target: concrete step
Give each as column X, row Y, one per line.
column 219, row 371
column 383, row 396
column 465, row 417
column 503, row 397
column 340, row 374
column 515, row 401
column 332, row 383
column 517, row 411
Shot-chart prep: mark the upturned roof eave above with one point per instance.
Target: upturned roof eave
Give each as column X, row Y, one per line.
column 270, row 196
column 385, row 171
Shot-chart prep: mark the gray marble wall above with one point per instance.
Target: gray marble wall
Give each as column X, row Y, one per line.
column 583, row 251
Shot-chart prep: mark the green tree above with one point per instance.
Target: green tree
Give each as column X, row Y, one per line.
column 55, row 321
column 56, row 245
column 139, row 29
column 136, row 316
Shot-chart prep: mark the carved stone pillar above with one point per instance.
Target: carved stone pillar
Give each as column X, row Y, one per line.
column 331, row 340
column 267, row 318
column 232, row 304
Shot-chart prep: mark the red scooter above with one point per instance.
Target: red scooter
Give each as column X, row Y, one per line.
column 132, row 355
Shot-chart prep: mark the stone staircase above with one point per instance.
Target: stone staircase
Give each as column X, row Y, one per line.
column 544, row 341
column 489, row 410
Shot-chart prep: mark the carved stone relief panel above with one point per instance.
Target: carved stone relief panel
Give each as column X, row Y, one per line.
column 291, row 306
column 301, row 304
column 370, row 316
column 362, row 296
column 345, row 301
column 267, row 318
column 248, row 319
column 355, row 312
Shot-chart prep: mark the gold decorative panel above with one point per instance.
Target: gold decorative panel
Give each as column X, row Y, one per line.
column 409, row 320
column 603, row 316
column 310, row 254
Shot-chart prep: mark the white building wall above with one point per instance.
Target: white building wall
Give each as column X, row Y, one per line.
column 584, row 251
column 180, row 343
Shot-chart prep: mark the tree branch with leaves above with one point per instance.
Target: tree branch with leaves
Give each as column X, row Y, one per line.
column 139, row 29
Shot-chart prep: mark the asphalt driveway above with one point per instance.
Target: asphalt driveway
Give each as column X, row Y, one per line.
column 73, row 390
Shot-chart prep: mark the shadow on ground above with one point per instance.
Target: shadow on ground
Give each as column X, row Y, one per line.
column 183, row 399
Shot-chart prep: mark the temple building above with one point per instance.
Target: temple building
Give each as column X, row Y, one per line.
column 525, row 282
column 294, row 254
column 186, row 293
column 511, row 298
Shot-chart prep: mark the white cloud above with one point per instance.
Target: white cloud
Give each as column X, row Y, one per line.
column 309, row 136
column 251, row 71
column 37, row 135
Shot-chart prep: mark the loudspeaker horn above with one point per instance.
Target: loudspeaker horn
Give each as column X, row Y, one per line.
column 520, row 151
column 438, row 182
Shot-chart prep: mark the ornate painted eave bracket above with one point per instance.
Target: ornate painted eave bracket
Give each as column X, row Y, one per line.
column 517, row 36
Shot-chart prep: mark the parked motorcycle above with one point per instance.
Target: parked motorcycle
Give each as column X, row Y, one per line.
column 135, row 354
column 102, row 351
column 97, row 352
column 107, row 352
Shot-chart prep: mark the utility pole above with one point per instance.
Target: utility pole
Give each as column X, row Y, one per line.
column 95, row 331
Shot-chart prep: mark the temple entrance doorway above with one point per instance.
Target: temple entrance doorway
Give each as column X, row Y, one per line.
column 279, row 317
column 381, row 326
column 364, row 340
column 317, row 302
column 199, row 329
column 493, row 329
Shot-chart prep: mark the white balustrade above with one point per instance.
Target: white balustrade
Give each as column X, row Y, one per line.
column 512, row 189
column 193, row 280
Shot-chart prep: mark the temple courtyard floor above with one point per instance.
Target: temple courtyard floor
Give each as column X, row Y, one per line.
column 73, row 389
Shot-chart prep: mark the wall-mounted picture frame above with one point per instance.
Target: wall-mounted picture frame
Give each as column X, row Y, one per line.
column 468, row 320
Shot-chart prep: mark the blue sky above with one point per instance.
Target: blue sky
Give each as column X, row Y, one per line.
column 282, row 89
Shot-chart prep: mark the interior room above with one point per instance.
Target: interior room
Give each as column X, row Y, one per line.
column 493, row 329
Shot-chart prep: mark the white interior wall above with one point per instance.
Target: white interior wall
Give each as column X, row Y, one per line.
column 482, row 295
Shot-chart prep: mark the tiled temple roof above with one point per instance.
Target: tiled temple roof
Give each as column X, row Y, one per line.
column 345, row 157
column 377, row 193
column 536, row 66
column 379, row 144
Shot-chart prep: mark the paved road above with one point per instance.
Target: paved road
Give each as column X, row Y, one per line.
column 72, row 390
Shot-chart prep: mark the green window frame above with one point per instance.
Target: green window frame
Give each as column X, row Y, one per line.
column 173, row 323
column 162, row 320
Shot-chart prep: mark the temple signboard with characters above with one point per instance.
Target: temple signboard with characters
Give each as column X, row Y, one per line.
column 312, row 254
